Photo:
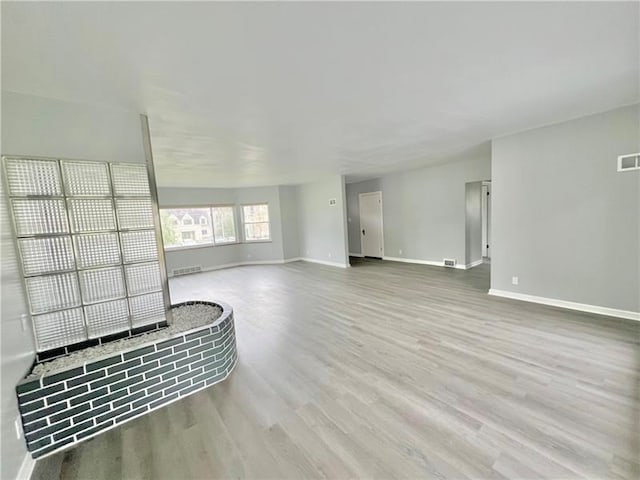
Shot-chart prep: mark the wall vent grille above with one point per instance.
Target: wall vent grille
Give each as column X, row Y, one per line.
column 629, row 162
column 186, row 270
column 450, row 262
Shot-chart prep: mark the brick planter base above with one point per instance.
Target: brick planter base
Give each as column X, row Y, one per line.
column 65, row 407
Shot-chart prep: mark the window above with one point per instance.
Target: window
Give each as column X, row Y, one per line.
column 184, row 233
column 224, row 225
column 256, row 222
column 188, row 232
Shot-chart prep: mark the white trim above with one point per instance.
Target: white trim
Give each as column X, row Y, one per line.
column 26, row 469
column 636, row 157
column 211, row 268
column 583, row 307
column 459, row 266
column 473, row 264
column 359, row 255
column 260, row 262
column 324, row 262
column 294, row 259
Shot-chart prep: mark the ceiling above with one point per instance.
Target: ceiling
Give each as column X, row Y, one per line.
column 242, row 94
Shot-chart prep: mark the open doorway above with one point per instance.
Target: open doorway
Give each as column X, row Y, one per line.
column 477, row 223
column 371, row 229
column 486, row 221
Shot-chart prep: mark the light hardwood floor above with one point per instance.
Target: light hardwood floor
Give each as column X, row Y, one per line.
column 389, row 370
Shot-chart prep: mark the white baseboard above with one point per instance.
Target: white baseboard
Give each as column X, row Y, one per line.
column 289, row 260
column 26, row 469
column 240, row 264
column 473, row 264
column 583, row 307
column 263, row 262
column 324, row 262
column 359, row 255
column 459, row 266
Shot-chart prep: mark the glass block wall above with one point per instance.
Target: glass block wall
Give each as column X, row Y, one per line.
column 87, row 240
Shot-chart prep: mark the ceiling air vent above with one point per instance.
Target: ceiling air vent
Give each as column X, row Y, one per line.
column 186, row 270
column 629, row 162
column 450, row 262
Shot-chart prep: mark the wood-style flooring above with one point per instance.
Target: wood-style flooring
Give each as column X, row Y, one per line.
column 390, row 370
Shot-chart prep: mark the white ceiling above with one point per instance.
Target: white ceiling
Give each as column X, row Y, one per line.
column 280, row 93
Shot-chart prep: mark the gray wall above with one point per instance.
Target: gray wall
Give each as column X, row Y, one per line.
column 424, row 210
column 303, row 224
column 353, row 210
column 564, row 221
column 323, row 234
column 51, row 128
column 473, row 222
column 216, row 256
column 290, row 220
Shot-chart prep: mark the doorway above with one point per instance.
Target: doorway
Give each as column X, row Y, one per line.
column 486, row 220
column 371, row 230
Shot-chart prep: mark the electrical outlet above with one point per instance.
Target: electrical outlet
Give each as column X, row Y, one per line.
column 24, row 321
column 18, row 426
column 400, row 252
column 514, row 280
column 248, row 255
column 329, row 254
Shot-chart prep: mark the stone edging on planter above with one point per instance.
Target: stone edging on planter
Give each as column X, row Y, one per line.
column 65, row 407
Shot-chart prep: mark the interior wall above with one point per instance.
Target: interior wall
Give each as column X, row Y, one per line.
column 473, row 223
column 424, row 210
column 565, row 222
column 37, row 126
column 210, row 257
column 290, row 220
column 323, row 227
column 353, row 210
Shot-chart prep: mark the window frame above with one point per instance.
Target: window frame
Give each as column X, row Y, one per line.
column 235, row 224
column 197, row 224
column 244, row 231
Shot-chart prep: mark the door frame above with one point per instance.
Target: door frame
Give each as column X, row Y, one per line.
column 379, row 192
column 486, row 218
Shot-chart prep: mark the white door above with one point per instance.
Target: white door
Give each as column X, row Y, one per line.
column 371, row 224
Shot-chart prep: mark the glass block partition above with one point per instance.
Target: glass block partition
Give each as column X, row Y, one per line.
column 87, row 240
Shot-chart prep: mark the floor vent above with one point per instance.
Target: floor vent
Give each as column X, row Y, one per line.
column 186, row 270
column 450, row 262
